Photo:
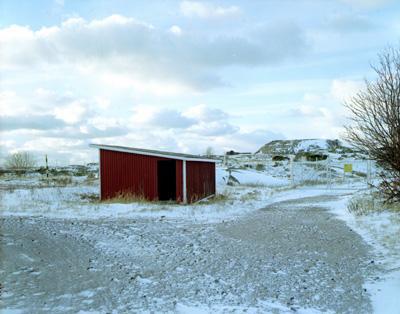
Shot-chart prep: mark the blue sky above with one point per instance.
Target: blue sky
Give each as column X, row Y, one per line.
column 182, row 75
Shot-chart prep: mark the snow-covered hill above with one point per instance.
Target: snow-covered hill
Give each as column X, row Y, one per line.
column 292, row 147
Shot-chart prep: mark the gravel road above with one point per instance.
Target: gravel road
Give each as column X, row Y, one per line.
column 290, row 253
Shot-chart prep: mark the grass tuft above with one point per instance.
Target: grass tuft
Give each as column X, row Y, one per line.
column 90, row 197
column 249, row 196
column 62, row 180
column 362, row 205
column 371, row 202
column 223, row 197
column 126, row 197
column 260, row 167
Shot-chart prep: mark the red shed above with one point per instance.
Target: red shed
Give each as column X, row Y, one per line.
column 155, row 175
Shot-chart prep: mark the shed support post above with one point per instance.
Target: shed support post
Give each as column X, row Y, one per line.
column 184, row 182
column 100, row 184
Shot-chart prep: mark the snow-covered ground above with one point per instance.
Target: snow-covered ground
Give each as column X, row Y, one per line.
column 79, row 200
column 381, row 230
column 32, row 197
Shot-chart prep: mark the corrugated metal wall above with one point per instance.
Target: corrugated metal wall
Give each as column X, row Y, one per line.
column 200, row 180
column 132, row 173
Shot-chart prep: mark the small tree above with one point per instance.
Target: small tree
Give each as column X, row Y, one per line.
column 376, row 121
column 209, row 152
column 20, row 161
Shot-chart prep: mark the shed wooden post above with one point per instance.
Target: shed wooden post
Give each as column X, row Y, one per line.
column 100, row 172
column 184, row 182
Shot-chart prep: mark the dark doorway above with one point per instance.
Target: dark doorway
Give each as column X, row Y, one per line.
column 166, row 175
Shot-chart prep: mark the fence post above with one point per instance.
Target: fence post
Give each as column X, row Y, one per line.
column 328, row 173
column 291, row 170
column 368, row 172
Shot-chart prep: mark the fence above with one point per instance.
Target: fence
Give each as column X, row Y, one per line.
column 333, row 174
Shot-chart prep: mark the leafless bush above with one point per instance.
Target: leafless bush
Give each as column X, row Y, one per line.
column 20, row 161
column 376, row 121
column 209, row 152
column 260, row 167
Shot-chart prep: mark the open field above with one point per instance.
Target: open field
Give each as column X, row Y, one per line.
column 298, row 258
column 262, row 245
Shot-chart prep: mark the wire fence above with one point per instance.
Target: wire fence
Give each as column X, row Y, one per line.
column 334, row 174
column 330, row 173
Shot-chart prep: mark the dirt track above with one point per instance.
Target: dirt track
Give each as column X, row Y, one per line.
column 292, row 253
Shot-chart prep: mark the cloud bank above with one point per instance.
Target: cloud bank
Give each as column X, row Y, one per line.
column 127, row 48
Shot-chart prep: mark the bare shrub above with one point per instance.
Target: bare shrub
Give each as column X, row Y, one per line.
column 20, row 161
column 260, row 167
column 376, row 122
column 209, row 152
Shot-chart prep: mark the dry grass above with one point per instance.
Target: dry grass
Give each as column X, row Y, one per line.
column 395, row 207
column 254, row 185
column 311, row 182
column 57, row 180
column 91, row 178
column 90, row 197
column 372, row 202
column 124, row 197
column 223, row 197
column 249, row 196
column 260, row 167
column 362, row 205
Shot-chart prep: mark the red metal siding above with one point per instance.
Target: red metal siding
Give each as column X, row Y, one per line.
column 122, row 172
column 200, row 180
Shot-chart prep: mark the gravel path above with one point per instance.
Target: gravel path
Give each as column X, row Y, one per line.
column 291, row 253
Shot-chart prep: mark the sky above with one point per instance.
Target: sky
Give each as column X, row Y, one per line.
column 182, row 75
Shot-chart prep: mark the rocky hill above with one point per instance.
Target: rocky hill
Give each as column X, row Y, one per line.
column 314, row 146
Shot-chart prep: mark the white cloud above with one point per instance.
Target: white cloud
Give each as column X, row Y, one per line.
column 213, row 128
column 344, row 90
column 206, row 10
column 176, row 30
column 48, row 144
column 71, row 113
column 160, row 118
column 247, row 141
column 37, row 122
column 102, row 102
column 366, row 3
column 59, row 2
column 9, row 103
column 127, row 52
column 303, row 111
column 349, row 23
column 205, row 113
column 200, row 119
column 152, row 86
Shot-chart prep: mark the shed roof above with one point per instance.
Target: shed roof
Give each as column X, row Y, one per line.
column 156, row 153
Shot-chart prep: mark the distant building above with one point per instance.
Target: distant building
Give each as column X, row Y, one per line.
column 154, row 175
column 232, row 153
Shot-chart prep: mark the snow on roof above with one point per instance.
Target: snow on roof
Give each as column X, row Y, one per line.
column 156, row 153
